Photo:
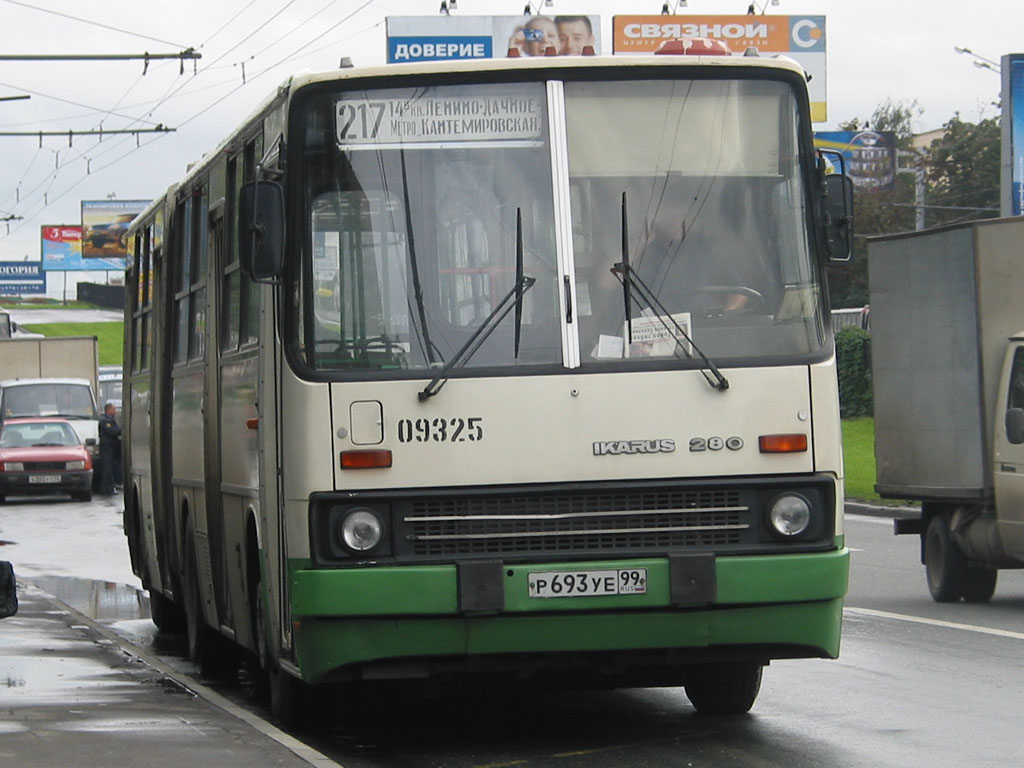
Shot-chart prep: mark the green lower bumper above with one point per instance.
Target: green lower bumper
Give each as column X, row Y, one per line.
column 346, row 617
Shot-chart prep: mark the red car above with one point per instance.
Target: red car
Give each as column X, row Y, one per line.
column 42, row 456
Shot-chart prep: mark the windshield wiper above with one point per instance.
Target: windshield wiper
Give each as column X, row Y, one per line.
column 631, row 282
column 417, row 287
column 513, row 300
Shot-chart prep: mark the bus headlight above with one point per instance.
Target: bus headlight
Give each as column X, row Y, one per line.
column 361, row 530
column 790, row 515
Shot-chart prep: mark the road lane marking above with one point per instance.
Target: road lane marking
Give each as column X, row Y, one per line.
column 935, row 622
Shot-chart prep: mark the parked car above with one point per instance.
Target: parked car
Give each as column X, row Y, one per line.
column 43, row 456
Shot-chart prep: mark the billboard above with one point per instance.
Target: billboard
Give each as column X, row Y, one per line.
column 445, row 38
column 801, row 38
column 869, row 156
column 62, row 251
column 21, row 277
column 1011, row 186
column 105, row 227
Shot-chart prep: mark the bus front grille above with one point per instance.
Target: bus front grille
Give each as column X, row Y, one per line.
column 575, row 523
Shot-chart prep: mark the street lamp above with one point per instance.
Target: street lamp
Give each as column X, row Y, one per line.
column 980, row 61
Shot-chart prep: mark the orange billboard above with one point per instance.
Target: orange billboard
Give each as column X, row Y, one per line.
column 801, row 38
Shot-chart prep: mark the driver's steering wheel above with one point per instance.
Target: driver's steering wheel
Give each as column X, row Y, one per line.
column 753, row 300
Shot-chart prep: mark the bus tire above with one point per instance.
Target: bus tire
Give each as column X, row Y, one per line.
column 205, row 648
column 944, row 564
column 166, row 614
column 980, row 584
column 291, row 700
column 724, row 689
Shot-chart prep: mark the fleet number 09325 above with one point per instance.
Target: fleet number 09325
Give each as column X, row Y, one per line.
column 441, row 430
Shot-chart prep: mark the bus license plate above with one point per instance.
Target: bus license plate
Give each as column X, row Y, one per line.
column 44, row 478
column 622, row 581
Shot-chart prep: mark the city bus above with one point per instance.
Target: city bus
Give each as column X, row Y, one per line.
column 505, row 370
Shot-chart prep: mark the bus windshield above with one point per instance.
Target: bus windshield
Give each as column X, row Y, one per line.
column 683, row 203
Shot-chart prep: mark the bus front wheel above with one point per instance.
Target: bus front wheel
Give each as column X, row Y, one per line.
column 724, row 689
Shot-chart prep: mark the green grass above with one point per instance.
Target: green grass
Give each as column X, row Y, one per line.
column 109, row 335
column 858, row 434
column 859, row 458
column 46, row 303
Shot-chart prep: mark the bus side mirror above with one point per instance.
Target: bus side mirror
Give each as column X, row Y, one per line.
column 261, row 230
column 838, row 209
column 1015, row 425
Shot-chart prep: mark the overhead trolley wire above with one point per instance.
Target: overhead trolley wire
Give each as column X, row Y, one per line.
column 92, row 23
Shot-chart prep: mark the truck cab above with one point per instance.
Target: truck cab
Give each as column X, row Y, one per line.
column 71, row 399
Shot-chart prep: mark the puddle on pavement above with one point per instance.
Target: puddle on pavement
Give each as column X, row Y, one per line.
column 99, row 600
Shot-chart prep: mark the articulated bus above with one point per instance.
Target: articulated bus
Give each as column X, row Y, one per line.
column 510, row 370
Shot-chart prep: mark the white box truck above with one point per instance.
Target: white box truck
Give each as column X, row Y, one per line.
column 947, row 348
column 49, row 376
column 74, row 357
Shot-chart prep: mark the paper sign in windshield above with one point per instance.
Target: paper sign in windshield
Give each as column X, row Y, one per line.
column 380, row 122
column 654, row 336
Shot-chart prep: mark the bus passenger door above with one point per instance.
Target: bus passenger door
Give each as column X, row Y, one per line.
column 220, row 557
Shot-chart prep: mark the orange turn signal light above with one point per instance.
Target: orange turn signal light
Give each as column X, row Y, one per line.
column 374, row 459
column 795, row 443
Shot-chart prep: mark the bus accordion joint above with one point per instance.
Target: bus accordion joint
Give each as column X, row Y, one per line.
column 371, row 459
column 791, row 443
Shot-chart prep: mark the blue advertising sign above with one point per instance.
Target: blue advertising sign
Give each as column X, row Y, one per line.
column 446, row 38
column 868, row 156
column 421, row 48
column 62, row 252
column 105, row 227
column 1011, row 191
column 21, row 277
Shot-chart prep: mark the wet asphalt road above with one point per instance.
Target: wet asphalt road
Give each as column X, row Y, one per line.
column 917, row 683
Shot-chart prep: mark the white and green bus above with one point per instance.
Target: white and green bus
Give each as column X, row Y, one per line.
column 510, row 368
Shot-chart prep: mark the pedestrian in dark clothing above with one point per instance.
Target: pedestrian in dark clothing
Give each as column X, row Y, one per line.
column 110, row 449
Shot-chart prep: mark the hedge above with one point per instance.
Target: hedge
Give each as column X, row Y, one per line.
column 853, row 357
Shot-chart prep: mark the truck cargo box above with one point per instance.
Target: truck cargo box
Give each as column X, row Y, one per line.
column 50, row 357
column 943, row 303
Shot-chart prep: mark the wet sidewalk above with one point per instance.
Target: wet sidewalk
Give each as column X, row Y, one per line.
column 69, row 695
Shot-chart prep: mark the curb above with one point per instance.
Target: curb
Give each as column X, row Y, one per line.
column 899, row 512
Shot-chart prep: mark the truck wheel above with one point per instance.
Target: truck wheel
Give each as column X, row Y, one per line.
column 944, row 564
column 981, row 584
column 724, row 689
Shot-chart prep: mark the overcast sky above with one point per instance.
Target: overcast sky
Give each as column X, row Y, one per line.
column 892, row 49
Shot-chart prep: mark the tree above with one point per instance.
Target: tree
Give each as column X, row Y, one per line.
column 961, row 184
column 963, row 172
column 876, row 211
